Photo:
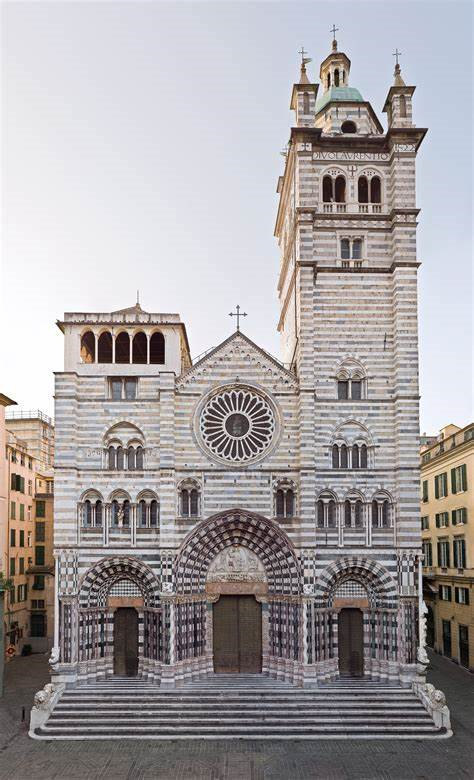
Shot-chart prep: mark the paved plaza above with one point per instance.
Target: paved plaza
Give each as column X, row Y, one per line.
column 22, row 758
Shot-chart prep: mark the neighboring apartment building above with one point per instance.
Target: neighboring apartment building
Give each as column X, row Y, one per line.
column 447, row 509
column 20, row 528
column 4, row 507
column 36, row 429
column 41, row 571
column 29, row 560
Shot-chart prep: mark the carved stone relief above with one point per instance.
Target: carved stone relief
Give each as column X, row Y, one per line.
column 236, row 564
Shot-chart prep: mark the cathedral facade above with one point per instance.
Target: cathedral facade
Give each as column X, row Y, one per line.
column 241, row 513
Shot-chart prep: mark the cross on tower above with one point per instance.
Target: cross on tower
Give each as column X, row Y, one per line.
column 238, row 314
column 302, row 52
column 396, row 54
column 334, row 30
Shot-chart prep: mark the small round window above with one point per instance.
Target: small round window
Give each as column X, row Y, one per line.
column 348, row 127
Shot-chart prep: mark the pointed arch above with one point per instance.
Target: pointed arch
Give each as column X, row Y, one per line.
column 369, row 573
column 98, row 580
column 237, row 527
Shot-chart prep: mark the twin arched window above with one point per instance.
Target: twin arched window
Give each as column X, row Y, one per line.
column 148, row 513
column 284, row 502
column 129, row 458
column 369, row 191
column 353, row 513
column 381, row 513
column 334, row 189
column 122, row 349
column 92, row 513
column 326, row 512
column 354, row 457
column 189, row 500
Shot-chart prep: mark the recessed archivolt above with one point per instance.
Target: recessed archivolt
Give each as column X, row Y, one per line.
column 372, row 575
column 95, row 584
column 237, row 527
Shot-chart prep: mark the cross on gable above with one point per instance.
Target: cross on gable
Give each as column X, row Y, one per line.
column 238, row 314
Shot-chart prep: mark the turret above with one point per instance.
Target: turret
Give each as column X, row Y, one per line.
column 303, row 97
column 398, row 104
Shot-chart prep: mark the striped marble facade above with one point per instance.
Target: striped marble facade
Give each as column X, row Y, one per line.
column 337, row 320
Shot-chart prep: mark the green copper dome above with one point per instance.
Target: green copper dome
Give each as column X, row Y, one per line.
column 338, row 93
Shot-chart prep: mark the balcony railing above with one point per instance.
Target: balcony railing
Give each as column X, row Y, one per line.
column 350, row 208
column 28, row 414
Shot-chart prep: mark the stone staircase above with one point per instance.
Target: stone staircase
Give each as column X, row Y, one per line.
column 238, row 707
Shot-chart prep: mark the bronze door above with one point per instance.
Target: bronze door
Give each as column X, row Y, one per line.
column 237, row 632
column 351, row 643
column 126, row 641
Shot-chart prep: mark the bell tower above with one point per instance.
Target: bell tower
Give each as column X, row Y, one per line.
column 346, row 228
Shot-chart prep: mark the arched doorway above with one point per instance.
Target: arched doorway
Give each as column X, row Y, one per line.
column 351, row 642
column 120, row 620
column 126, row 642
column 237, row 576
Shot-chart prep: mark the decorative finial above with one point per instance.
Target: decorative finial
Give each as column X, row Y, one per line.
column 334, row 30
column 238, row 314
column 304, row 61
column 138, row 297
column 397, row 73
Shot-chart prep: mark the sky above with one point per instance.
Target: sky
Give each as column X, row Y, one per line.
column 140, row 149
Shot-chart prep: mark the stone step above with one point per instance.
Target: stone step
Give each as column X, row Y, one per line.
column 136, row 711
column 257, row 720
column 234, row 699
column 239, row 730
column 267, row 707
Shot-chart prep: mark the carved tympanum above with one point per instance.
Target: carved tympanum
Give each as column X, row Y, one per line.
column 236, row 564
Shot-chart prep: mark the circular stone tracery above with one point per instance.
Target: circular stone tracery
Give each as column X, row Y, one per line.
column 237, row 425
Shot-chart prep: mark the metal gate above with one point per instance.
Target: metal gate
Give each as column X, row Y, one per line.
column 237, row 635
column 126, row 641
column 351, row 643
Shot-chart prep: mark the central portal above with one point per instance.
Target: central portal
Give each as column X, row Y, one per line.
column 237, row 633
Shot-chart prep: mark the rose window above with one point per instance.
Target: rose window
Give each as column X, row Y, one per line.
column 237, row 425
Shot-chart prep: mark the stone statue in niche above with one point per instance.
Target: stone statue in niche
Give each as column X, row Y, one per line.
column 236, row 564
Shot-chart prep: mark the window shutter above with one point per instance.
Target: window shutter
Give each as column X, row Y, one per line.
column 464, row 477
column 448, row 561
column 456, row 595
column 453, row 517
column 453, row 480
column 464, row 515
column 467, row 595
column 437, row 521
column 445, row 483
column 440, row 591
column 449, row 592
column 13, row 482
column 455, row 553
column 436, row 487
column 439, row 553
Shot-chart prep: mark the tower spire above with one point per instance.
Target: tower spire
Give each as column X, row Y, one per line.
column 334, row 30
column 304, row 61
column 398, row 81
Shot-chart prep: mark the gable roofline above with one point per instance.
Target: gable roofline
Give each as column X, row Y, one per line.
column 232, row 337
